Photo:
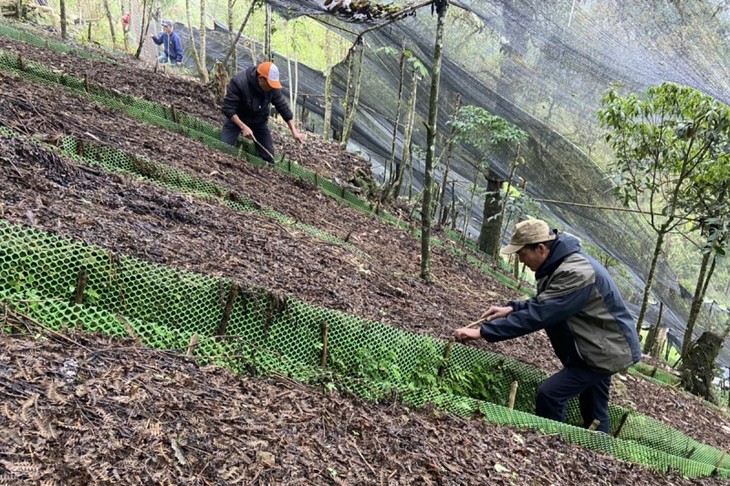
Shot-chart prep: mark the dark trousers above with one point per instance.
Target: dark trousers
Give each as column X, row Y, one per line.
column 230, row 133
column 591, row 387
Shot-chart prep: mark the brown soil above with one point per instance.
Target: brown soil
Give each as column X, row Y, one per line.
column 310, row 435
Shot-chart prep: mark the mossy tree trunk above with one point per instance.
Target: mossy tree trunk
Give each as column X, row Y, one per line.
column 698, row 368
column 232, row 39
column 650, row 343
column 327, row 124
column 390, row 172
column 405, row 158
column 352, row 95
column 442, row 7
column 64, row 23
column 490, row 234
column 702, row 278
column 449, row 153
column 267, row 35
column 661, row 233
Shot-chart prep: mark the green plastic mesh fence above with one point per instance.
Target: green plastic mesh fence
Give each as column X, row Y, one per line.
column 56, row 280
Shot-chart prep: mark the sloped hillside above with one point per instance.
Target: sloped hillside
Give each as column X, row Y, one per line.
column 309, row 436
column 86, row 409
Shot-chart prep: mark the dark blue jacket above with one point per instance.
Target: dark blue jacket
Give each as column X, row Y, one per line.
column 245, row 98
column 581, row 310
column 173, row 46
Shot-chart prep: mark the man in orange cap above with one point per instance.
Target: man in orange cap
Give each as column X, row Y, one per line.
column 246, row 106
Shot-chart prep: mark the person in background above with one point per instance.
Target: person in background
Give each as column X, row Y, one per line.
column 583, row 314
column 247, row 104
column 171, row 43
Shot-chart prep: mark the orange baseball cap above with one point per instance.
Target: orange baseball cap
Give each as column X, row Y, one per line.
column 271, row 73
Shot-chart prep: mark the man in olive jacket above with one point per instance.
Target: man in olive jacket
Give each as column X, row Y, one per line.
column 583, row 314
column 246, row 106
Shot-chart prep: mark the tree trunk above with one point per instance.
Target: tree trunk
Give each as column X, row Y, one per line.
column 64, row 24
column 698, row 368
column 410, row 121
column 699, row 295
column 232, row 49
column 442, row 9
column 447, row 167
column 267, row 35
column 650, row 344
column 652, row 270
column 231, row 41
column 144, row 26
column 389, row 174
column 490, row 235
column 503, row 203
column 108, row 12
column 327, row 105
column 200, row 61
column 352, row 96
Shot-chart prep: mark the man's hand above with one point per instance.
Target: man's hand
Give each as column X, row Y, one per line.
column 247, row 132
column 496, row 312
column 466, row 334
column 298, row 136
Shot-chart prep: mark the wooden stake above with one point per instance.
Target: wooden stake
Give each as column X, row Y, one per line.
column 128, row 327
column 175, row 117
column 21, row 64
column 86, row 82
column 323, row 358
column 81, row 281
column 621, row 424
column 194, row 341
column 594, row 425
column 227, row 311
column 513, row 395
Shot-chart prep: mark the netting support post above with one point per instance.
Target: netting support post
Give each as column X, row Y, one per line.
column 21, row 63
column 228, row 310
column 594, row 425
column 194, row 340
column 512, row 395
column 175, row 116
column 719, row 463
column 323, row 359
column 86, row 83
column 81, row 280
column 445, row 360
column 621, row 424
